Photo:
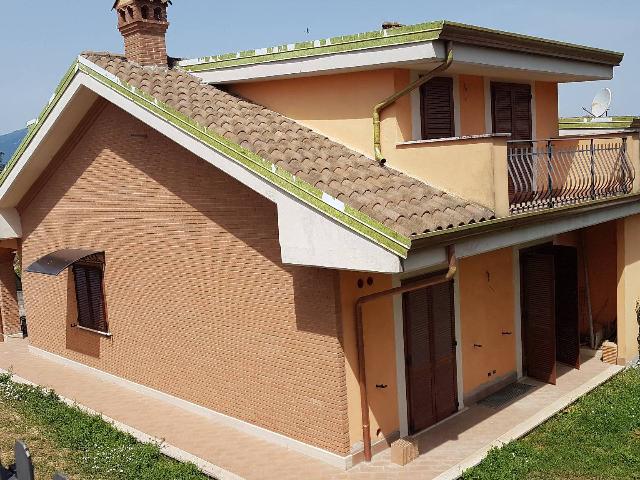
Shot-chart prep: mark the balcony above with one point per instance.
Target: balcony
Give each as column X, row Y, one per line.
column 567, row 171
column 514, row 177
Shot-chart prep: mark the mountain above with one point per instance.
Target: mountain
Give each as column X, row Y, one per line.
column 9, row 142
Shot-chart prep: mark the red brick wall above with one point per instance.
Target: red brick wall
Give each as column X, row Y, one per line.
column 199, row 302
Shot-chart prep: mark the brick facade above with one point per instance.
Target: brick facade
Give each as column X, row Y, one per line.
column 8, row 295
column 198, row 300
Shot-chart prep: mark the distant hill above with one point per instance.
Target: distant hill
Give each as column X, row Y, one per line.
column 9, row 142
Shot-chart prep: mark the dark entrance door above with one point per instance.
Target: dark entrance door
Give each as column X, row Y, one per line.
column 430, row 355
column 539, row 315
column 567, row 318
column 549, row 300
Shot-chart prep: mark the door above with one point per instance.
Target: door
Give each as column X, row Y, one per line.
column 430, row 355
column 538, row 315
column 567, row 317
column 511, row 113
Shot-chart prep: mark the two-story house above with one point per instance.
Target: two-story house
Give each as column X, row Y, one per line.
column 333, row 243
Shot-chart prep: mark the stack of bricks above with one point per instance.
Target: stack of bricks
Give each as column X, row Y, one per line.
column 610, row 353
column 403, row 451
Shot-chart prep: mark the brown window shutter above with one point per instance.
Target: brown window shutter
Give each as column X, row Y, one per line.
column 511, row 109
column 437, row 110
column 90, row 297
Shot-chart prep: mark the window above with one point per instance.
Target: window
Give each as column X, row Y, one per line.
column 88, row 277
column 511, row 109
column 436, row 108
column 145, row 12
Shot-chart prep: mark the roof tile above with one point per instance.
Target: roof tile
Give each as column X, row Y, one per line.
column 405, row 204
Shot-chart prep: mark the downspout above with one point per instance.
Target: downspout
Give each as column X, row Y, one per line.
column 362, row 375
column 377, row 110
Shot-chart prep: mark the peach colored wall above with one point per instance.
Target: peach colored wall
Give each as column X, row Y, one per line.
column 338, row 106
column 472, row 105
column 628, row 233
column 486, row 295
column 546, row 95
column 379, row 355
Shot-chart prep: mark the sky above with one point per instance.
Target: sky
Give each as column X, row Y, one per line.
column 39, row 39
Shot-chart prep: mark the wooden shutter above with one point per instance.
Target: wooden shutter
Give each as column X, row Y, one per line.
column 511, row 109
column 567, row 318
column 418, row 360
column 430, row 355
column 90, row 297
column 437, row 108
column 444, row 350
column 538, row 311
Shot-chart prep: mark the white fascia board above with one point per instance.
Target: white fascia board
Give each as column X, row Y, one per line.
column 40, row 150
column 333, row 245
column 10, row 226
column 561, row 69
column 384, row 57
column 308, row 238
column 531, row 233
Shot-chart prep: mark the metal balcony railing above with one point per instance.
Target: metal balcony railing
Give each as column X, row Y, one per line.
column 567, row 171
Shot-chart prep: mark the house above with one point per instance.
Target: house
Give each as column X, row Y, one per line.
column 332, row 244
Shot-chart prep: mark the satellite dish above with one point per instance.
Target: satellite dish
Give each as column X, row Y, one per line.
column 601, row 103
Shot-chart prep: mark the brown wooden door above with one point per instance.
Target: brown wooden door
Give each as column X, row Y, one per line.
column 430, row 355
column 538, row 315
column 511, row 113
column 566, row 294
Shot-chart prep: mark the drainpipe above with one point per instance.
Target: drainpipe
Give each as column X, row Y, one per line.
column 377, row 110
column 362, row 376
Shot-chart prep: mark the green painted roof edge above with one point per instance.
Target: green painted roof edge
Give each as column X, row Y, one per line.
column 576, row 123
column 380, row 38
column 312, row 196
column 421, row 32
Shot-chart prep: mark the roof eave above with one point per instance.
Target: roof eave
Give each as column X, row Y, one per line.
column 447, row 237
column 485, row 37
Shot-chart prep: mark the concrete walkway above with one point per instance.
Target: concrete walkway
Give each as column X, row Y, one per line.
column 445, row 450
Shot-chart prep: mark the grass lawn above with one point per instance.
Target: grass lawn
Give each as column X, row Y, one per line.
column 598, row 437
column 85, row 447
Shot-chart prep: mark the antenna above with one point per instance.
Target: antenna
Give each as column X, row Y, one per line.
column 601, row 103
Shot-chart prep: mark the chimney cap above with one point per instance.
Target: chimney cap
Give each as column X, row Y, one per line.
column 115, row 4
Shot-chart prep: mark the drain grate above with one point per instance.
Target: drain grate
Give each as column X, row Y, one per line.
column 506, row 395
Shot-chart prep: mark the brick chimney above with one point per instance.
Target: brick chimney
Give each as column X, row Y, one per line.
column 143, row 24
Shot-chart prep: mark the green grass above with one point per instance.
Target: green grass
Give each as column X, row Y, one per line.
column 87, row 447
column 598, row 437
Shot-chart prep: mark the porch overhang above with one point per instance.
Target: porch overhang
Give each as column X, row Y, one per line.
column 55, row 263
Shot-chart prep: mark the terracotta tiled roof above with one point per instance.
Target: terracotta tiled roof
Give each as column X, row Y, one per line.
column 402, row 203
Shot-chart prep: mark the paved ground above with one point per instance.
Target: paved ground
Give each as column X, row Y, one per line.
column 463, row 438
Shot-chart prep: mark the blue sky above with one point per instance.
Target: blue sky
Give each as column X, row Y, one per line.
column 40, row 38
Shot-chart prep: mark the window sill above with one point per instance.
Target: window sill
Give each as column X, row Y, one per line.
column 91, row 330
column 453, row 139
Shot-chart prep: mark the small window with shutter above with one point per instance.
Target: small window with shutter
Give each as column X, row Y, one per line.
column 88, row 278
column 436, row 108
column 511, row 109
